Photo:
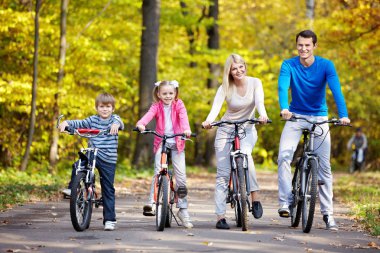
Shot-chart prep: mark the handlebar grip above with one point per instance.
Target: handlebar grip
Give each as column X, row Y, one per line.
column 136, row 129
column 69, row 129
column 193, row 135
column 269, row 121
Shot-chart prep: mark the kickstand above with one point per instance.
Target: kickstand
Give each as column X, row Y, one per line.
column 171, row 210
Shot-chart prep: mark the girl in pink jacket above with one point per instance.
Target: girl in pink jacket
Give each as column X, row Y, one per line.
column 171, row 118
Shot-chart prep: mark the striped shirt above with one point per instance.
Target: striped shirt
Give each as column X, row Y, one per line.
column 106, row 143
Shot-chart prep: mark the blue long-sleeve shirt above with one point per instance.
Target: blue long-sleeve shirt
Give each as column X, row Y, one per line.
column 107, row 143
column 308, row 87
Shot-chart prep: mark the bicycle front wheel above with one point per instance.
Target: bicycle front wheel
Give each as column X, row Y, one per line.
column 162, row 205
column 296, row 207
column 242, row 194
column 80, row 203
column 310, row 197
column 169, row 216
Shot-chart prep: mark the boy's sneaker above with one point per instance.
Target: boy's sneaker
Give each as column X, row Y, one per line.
column 109, row 225
column 330, row 223
column 148, row 210
column 284, row 211
column 185, row 219
column 222, row 224
column 66, row 192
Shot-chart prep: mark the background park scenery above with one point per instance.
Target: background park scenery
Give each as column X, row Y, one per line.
column 56, row 56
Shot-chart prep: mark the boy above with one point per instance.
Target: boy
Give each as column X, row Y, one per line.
column 107, row 154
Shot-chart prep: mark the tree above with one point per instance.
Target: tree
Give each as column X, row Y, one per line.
column 62, row 57
column 214, row 69
column 148, row 73
column 32, row 119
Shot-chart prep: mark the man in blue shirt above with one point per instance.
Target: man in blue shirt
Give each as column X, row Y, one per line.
column 306, row 76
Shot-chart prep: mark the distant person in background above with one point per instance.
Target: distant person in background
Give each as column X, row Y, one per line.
column 358, row 145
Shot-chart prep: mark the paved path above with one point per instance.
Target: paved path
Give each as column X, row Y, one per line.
column 46, row 227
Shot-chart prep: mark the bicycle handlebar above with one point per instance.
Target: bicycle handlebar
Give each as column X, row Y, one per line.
column 334, row 121
column 238, row 122
column 148, row 131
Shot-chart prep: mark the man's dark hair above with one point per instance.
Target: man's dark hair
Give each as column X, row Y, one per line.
column 307, row 34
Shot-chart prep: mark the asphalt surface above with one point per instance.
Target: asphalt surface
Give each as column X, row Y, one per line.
column 46, row 227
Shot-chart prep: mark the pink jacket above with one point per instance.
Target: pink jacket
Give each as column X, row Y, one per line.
column 179, row 119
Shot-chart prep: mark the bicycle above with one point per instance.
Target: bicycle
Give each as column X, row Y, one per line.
column 165, row 194
column 357, row 159
column 83, row 193
column 305, row 177
column 238, row 187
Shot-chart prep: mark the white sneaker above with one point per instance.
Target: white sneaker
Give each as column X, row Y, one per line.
column 66, row 192
column 330, row 223
column 284, row 211
column 109, row 226
column 185, row 219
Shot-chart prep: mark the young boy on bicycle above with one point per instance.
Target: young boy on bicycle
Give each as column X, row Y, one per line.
column 107, row 154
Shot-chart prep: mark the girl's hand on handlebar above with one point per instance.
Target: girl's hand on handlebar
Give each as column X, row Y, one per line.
column 286, row 114
column 206, row 125
column 187, row 133
column 62, row 126
column 114, row 129
column 141, row 128
column 345, row 121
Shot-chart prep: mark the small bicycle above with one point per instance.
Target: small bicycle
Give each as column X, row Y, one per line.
column 164, row 187
column 305, row 177
column 83, row 193
column 238, row 186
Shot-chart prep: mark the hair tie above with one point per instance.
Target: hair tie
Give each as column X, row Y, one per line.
column 157, row 83
column 174, row 83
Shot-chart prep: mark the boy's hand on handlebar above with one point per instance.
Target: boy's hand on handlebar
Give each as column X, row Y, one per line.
column 286, row 114
column 141, row 128
column 206, row 125
column 62, row 126
column 187, row 133
column 345, row 121
column 114, row 129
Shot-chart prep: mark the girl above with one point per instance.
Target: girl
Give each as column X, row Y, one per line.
column 171, row 118
column 243, row 95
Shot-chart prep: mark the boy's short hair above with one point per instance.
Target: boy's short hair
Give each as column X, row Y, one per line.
column 105, row 98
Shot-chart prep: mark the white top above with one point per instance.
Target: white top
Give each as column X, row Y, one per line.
column 240, row 107
column 169, row 123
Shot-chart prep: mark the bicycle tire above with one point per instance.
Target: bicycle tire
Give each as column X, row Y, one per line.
column 80, row 204
column 308, row 205
column 169, row 216
column 162, row 205
column 242, row 194
column 296, row 207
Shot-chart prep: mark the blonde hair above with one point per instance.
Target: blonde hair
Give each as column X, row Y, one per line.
column 105, row 98
column 159, row 84
column 227, row 77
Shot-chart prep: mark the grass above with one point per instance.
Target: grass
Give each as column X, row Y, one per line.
column 362, row 193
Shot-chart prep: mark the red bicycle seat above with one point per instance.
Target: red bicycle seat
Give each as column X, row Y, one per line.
column 88, row 131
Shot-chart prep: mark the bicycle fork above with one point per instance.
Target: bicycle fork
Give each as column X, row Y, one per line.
column 305, row 173
column 234, row 178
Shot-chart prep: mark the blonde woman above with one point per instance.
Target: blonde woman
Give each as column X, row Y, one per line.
column 244, row 95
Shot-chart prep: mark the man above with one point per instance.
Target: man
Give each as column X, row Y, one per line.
column 359, row 142
column 306, row 75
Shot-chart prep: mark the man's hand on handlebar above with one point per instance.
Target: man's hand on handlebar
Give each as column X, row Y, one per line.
column 345, row 121
column 286, row 114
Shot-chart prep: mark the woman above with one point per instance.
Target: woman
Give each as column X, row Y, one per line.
column 243, row 95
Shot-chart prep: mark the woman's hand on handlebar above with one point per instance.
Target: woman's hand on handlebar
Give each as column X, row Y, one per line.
column 206, row 124
column 263, row 119
column 286, row 114
column 62, row 126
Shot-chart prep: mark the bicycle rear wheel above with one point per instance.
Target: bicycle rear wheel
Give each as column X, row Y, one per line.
column 80, row 203
column 242, row 202
column 296, row 207
column 308, row 205
column 162, row 205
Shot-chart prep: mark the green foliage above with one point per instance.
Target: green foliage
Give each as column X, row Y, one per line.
column 362, row 193
column 103, row 50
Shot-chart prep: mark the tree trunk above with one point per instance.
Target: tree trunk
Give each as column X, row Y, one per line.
column 62, row 57
column 148, row 75
column 32, row 119
column 212, row 83
column 310, row 6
